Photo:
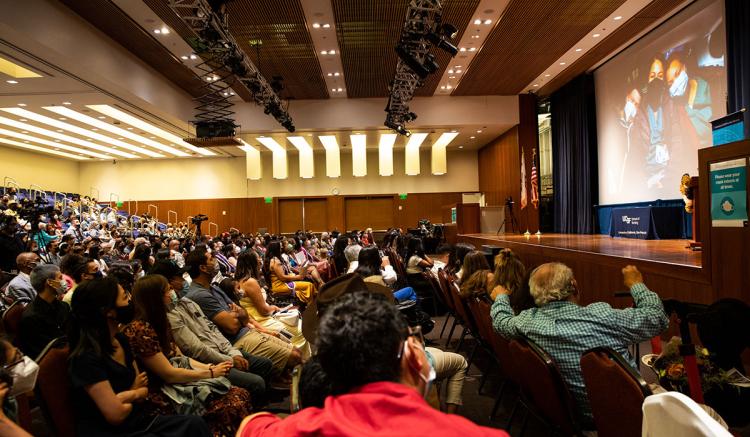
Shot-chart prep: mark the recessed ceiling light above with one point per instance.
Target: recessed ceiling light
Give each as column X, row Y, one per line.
column 488, row 21
column 536, row 84
column 24, row 131
column 448, row 87
column 23, row 119
column 473, row 49
column 462, row 49
column 562, row 63
column 152, row 137
column 193, row 56
column 578, row 50
column 442, row 87
column 479, row 131
column 472, row 137
column 59, row 130
column 477, row 21
column 62, row 118
column 458, row 71
column 596, row 35
column 618, row 18
column 67, row 103
column 326, row 26
column 340, row 89
column 475, row 36
column 451, row 77
column 331, row 52
column 22, row 104
column 333, row 90
column 157, row 31
column 336, row 74
column 184, row 57
column 316, row 25
column 94, row 129
column 101, row 117
column 164, row 31
column 460, row 147
column 324, row 52
column 130, row 128
column 450, row 71
column 11, row 81
column 330, row 74
column 546, row 75
column 120, row 138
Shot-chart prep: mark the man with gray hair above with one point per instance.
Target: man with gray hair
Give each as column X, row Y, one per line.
column 19, row 288
column 46, row 317
column 352, row 256
column 566, row 330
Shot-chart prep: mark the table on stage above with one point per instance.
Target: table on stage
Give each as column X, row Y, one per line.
column 647, row 223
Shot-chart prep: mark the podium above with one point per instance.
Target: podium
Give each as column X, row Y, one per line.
column 466, row 220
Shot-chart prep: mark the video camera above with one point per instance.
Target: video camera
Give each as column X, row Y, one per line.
column 198, row 219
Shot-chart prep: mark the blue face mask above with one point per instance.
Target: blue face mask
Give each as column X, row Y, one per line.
column 185, row 287
column 173, row 297
column 98, row 274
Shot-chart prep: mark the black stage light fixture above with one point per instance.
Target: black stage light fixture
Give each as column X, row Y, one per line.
column 441, row 43
column 410, row 116
column 449, row 31
column 412, row 62
column 429, row 63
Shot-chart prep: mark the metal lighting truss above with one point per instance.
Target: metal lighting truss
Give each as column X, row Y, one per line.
column 224, row 63
column 421, row 17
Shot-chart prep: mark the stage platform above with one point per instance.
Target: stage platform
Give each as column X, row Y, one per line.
column 668, row 267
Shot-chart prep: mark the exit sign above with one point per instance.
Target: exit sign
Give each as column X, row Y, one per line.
column 269, row 199
column 402, row 196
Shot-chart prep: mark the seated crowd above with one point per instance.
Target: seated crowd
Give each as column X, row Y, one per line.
column 178, row 334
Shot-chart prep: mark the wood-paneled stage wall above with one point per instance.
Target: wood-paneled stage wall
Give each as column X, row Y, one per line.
column 321, row 213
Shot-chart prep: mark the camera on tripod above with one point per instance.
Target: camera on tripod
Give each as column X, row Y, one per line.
column 509, row 202
column 198, row 219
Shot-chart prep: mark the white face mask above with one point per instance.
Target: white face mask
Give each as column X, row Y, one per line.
column 24, row 376
column 679, row 85
column 630, row 110
column 431, row 375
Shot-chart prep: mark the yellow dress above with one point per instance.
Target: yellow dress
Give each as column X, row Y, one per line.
column 298, row 340
column 305, row 291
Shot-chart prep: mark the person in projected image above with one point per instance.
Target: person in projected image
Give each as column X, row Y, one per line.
column 690, row 105
column 657, row 156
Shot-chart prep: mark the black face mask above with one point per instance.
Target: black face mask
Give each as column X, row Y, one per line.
column 655, row 91
column 125, row 315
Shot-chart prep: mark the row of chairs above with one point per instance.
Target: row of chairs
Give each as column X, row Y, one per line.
column 534, row 378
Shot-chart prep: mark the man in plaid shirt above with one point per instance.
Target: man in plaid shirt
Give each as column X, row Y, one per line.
column 565, row 330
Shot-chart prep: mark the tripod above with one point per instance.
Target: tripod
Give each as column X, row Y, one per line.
column 513, row 221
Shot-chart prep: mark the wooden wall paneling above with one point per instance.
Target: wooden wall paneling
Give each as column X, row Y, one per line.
column 375, row 212
column 499, row 169
column 336, row 213
column 290, row 215
column 417, row 206
column 528, row 141
column 316, row 214
column 260, row 214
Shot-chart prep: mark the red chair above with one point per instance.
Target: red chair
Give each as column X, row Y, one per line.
column 606, row 373
column 53, row 388
column 543, row 390
column 12, row 318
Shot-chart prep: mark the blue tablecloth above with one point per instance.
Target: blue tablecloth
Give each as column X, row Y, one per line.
column 647, row 223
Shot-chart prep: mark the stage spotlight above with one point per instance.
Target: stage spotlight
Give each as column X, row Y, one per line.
column 410, row 116
column 449, row 31
column 441, row 43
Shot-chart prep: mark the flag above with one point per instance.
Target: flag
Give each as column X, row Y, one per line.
column 534, row 182
column 524, row 197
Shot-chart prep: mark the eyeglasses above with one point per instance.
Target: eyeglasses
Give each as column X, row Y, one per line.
column 414, row 331
column 17, row 359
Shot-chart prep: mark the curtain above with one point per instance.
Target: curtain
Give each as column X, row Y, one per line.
column 738, row 56
column 574, row 156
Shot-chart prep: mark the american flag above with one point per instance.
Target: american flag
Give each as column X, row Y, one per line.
column 534, row 181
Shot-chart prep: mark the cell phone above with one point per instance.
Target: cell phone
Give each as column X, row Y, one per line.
column 281, row 310
column 286, row 335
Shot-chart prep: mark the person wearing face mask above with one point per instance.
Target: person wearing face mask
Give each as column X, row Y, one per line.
column 111, row 395
column 21, row 373
column 198, row 338
column 283, row 279
column 691, row 101
column 46, row 317
column 381, row 392
column 20, row 288
column 83, row 269
column 657, row 157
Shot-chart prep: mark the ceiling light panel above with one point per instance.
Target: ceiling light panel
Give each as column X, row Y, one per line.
column 14, row 70
column 412, row 153
column 306, row 159
column 98, row 124
column 90, row 135
column 359, row 155
column 280, row 165
column 333, row 155
column 63, row 137
column 439, row 153
column 52, row 144
column 486, row 16
column 42, row 149
column 253, row 166
column 147, row 127
column 385, row 154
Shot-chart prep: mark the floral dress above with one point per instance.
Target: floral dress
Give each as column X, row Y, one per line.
column 223, row 412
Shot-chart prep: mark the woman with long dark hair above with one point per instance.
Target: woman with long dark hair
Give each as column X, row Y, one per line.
column 254, row 302
column 150, row 336
column 511, row 274
column 283, row 280
column 370, row 267
column 339, row 259
column 110, row 394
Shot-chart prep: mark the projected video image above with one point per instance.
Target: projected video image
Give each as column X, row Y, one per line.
column 655, row 102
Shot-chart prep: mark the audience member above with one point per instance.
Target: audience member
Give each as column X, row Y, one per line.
column 110, row 395
column 253, row 300
column 20, row 288
column 185, row 385
column 462, row 249
column 378, row 373
column 282, row 279
column 11, row 243
column 233, row 321
column 566, row 330
column 46, row 317
column 198, row 338
column 378, row 270
column 510, row 274
column 352, row 256
column 474, row 261
column 79, row 269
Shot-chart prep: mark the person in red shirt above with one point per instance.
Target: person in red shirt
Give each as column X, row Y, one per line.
column 377, row 375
